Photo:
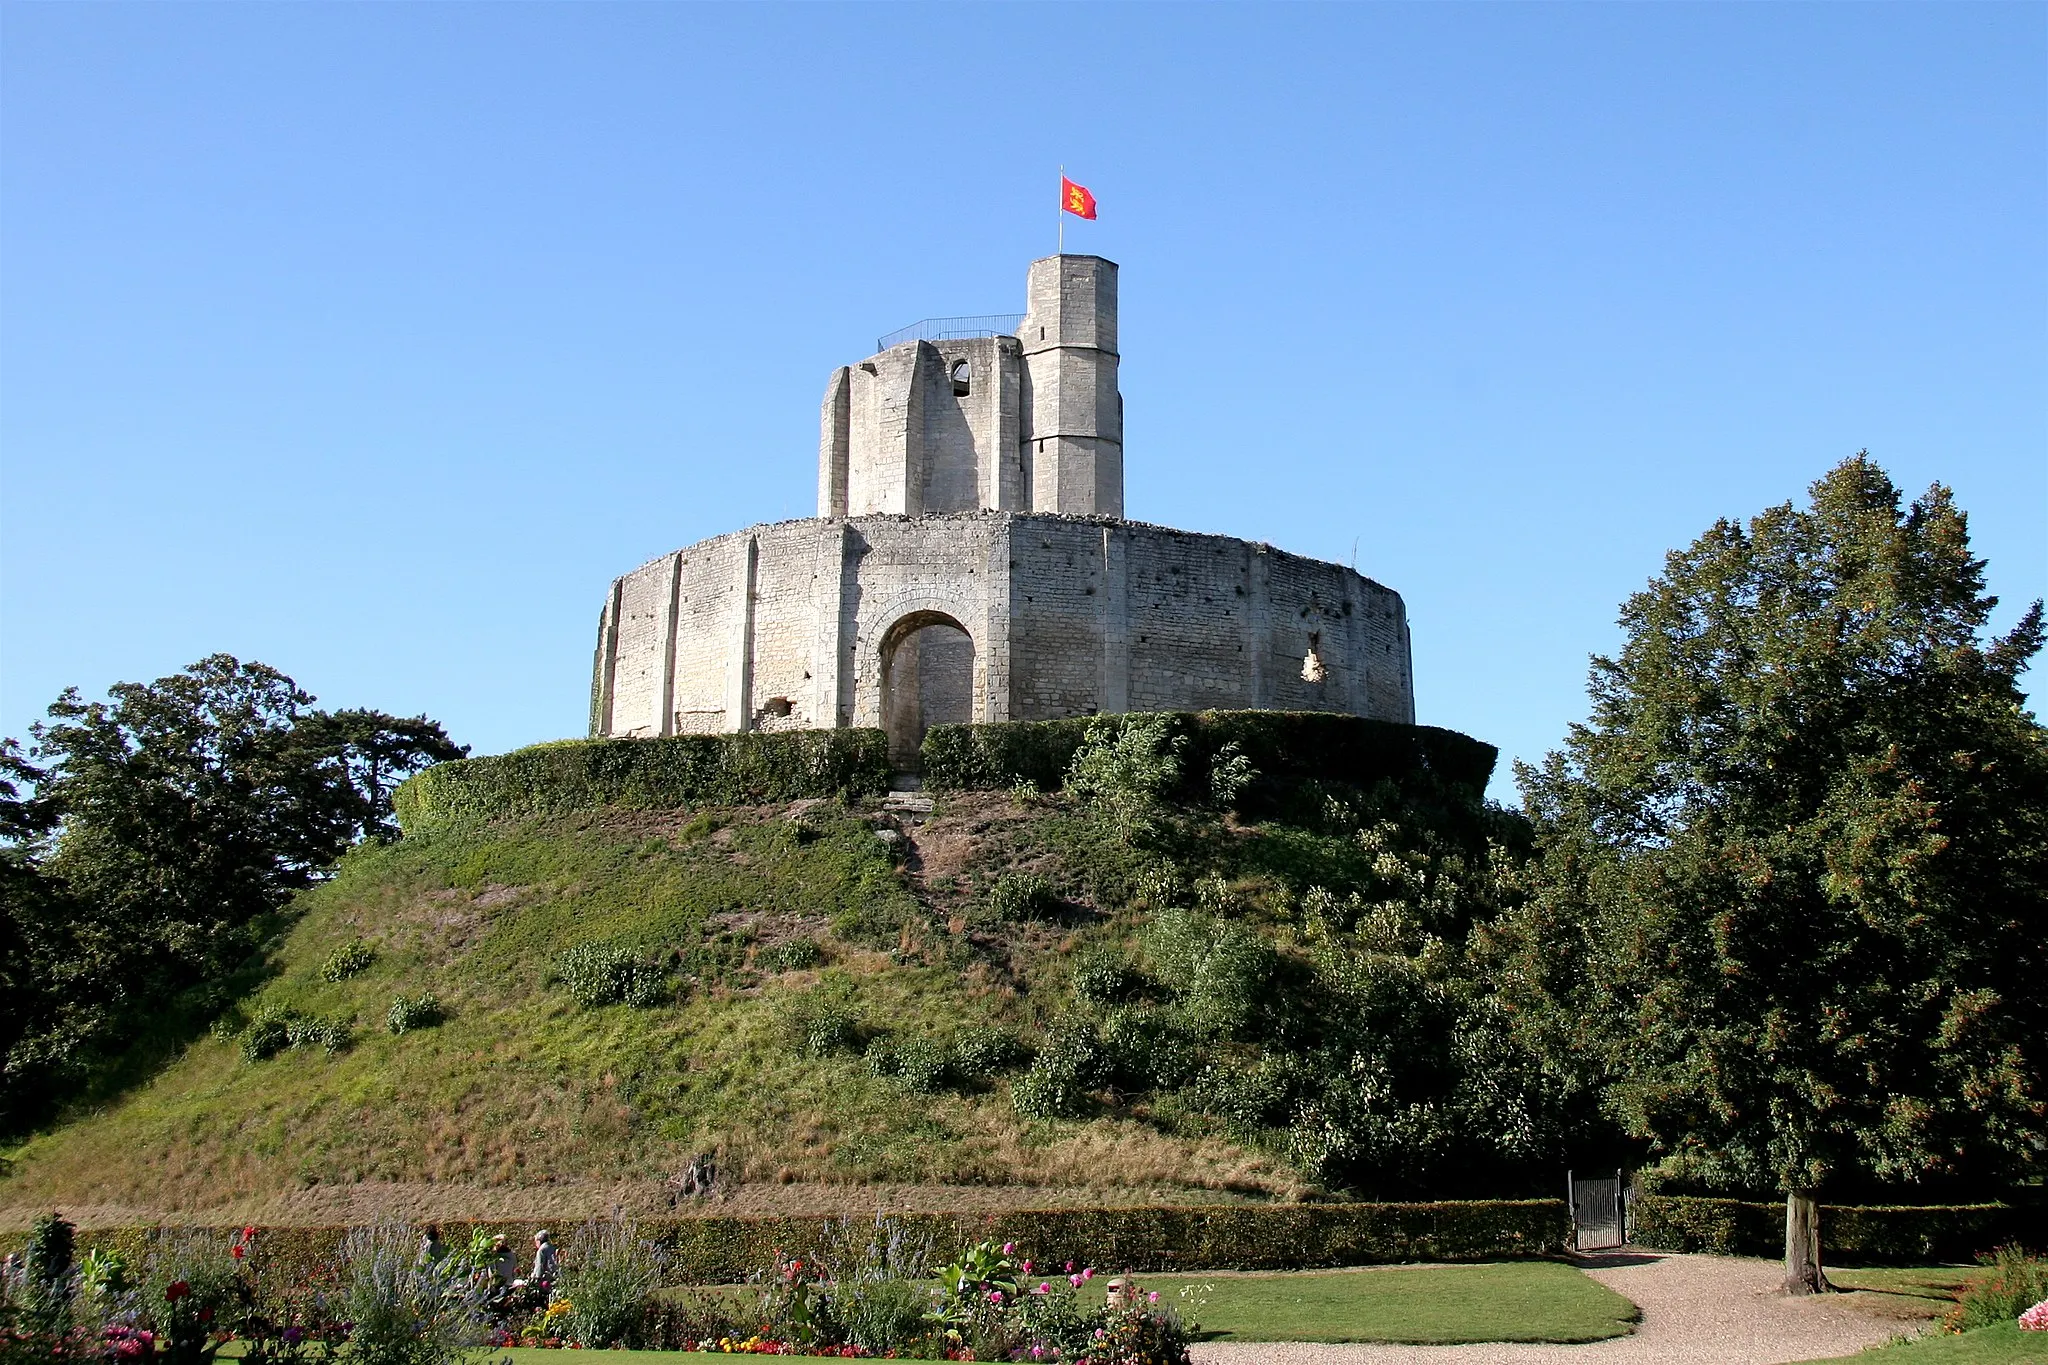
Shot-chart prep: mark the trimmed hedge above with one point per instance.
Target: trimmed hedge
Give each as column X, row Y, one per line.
column 1288, row 748
column 713, row 1249
column 1858, row 1232
column 690, row 770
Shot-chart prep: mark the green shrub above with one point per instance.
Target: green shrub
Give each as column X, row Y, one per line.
column 602, row 974
column 406, row 1015
column 690, row 770
column 1127, row 766
column 277, row 1028
column 1230, row 772
column 46, row 1275
column 722, row 1250
column 1066, row 1068
column 1106, row 978
column 821, row 1021
column 1263, row 759
column 329, row 1035
column 1897, row 1233
column 984, row 1054
column 346, row 961
column 916, row 1063
column 1016, row 896
column 792, row 955
column 610, row 1274
column 403, row 1309
column 2010, row 1283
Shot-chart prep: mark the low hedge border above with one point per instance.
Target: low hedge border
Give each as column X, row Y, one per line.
column 1287, row 748
column 1848, row 1232
column 712, row 1249
column 689, row 770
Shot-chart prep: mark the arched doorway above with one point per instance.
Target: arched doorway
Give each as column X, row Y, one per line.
column 927, row 680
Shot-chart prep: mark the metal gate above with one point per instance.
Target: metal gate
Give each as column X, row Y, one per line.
column 1599, row 1211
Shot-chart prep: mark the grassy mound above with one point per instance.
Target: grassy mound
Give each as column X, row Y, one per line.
column 550, row 1014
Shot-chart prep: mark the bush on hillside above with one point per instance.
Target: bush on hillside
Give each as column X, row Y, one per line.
column 689, row 770
column 820, row 1021
column 418, row 1012
column 1022, row 896
column 1265, row 759
column 791, row 955
column 277, row 1028
column 982, row 1054
column 602, row 974
column 346, row 961
column 916, row 1063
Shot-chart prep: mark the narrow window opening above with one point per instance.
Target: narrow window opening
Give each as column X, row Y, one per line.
column 960, row 380
column 1041, row 334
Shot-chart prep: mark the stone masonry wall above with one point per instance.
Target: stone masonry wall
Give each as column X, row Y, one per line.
column 796, row 624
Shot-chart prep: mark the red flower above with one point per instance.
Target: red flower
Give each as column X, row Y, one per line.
column 176, row 1290
column 249, row 1233
column 206, row 1315
column 237, row 1251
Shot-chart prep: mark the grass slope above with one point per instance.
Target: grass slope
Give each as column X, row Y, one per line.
column 523, row 1088
column 2004, row 1344
column 1422, row 1305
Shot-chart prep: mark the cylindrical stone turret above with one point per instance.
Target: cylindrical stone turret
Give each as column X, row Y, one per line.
column 1073, row 413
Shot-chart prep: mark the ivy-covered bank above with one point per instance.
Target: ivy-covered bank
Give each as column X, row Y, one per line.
column 1281, row 753
column 648, row 774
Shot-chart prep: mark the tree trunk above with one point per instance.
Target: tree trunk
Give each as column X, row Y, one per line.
column 1803, row 1274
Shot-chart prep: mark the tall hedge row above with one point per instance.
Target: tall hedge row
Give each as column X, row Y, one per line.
column 1848, row 1232
column 714, row 1249
column 1288, row 749
column 576, row 775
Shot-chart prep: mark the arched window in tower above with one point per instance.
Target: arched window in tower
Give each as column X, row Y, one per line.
column 960, row 384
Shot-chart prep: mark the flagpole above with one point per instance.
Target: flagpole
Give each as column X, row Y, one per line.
column 1061, row 249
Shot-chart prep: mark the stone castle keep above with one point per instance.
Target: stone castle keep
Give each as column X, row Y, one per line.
column 970, row 562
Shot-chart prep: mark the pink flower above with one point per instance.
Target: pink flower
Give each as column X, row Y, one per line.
column 1152, row 1297
column 1074, row 1280
column 1009, row 1247
column 1088, row 1274
column 1043, row 1288
column 2035, row 1319
column 1027, row 1267
column 995, row 1296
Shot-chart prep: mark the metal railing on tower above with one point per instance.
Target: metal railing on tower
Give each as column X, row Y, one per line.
column 953, row 329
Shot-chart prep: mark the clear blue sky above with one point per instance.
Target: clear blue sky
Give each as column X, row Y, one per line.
column 372, row 341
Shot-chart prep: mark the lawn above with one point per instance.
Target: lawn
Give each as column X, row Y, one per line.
column 1425, row 1305
column 2004, row 1344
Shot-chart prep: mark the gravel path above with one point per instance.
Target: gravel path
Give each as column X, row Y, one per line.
column 1697, row 1310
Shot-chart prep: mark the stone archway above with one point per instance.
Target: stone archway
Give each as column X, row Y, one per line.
column 927, row 676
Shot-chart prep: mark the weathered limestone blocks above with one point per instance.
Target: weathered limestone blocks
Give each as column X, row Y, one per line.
column 969, row 563
column 903, row 622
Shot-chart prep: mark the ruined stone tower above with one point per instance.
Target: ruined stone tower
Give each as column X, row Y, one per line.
column 970, row 561
column 1025, row 423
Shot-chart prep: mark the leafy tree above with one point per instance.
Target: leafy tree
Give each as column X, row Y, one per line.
column 165, row 825
column 1790, row 898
